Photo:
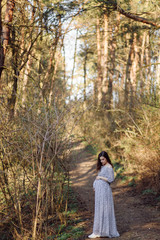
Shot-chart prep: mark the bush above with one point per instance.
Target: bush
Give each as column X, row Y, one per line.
column 34, row 175
column 140, row 147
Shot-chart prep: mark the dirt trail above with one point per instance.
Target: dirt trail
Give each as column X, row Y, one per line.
column 135, row 221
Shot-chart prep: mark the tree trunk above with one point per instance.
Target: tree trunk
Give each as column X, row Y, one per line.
column 84, row 81
column 50, row 65
column 1, row 46
column 148, row 63
column 25, row 80
column 128, row 70
column 56, row 62
column 133, row 71
column 98, row 85
column 142, row 75
column 110, row 80
column 105, row 62
column 74, row 64
column 29, row 61
column 12, row 99
column 5, row 33
column 158, row 76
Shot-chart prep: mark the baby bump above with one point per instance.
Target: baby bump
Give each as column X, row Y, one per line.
column 98, row 184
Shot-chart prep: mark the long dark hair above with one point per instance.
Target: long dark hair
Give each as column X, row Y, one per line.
column 103, row 154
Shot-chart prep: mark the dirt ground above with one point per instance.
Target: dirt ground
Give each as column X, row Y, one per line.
column 135, row 220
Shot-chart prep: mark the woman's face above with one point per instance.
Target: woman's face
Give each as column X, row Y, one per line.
column 103, row 160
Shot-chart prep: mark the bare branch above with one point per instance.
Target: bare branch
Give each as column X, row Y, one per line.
column 136, row 18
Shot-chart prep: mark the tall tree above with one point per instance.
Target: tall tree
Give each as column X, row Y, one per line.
column 5, row 29
column 98, row 84
column 105, row 58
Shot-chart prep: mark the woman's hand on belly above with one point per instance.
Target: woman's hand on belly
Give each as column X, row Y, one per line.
column 101, row 178
column 98, row 178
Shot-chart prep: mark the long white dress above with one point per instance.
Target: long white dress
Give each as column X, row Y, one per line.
column 104, row 216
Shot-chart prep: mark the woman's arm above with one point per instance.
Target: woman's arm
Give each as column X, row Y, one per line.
column 102, row 178
column 109, row 175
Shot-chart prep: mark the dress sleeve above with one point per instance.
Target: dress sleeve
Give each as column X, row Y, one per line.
column 110, row 174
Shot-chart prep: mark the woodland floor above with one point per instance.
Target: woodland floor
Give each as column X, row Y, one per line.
column 136, row 219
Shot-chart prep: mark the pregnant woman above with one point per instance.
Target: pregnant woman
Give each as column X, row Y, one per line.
column 104, row 216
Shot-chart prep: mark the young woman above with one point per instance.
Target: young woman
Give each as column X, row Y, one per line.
column 104, row 217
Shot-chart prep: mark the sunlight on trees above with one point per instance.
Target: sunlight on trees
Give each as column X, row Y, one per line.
column 110, row 96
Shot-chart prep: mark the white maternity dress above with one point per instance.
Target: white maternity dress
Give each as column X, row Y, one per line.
column 104, row 216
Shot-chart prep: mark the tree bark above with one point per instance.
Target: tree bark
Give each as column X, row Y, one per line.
column 25, row 80
column 74, row 64
column 12, row 99
column 133, row 71
column 105, row 61
column 55, row 66
column 158, row 75
column 1, row 46
column 98, row 85
column 84, row 78
column 111, row 70
column 142, row 83
column 128, row 69
column 148, row 63
column 5, row 32
column 29, row 61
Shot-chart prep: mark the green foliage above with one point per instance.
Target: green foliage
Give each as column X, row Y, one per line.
column 132, row 182
column 148, row 191
column 119, row 167
column 74, row 233
column 91, row 149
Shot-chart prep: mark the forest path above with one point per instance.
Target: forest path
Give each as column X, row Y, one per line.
column 135, row 220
